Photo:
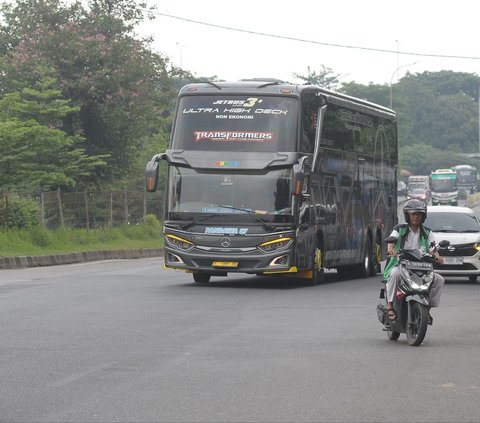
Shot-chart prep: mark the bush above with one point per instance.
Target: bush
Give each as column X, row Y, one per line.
column 20, row 213
column 41, row 237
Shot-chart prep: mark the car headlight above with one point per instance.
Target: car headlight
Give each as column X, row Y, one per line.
column 477, row 246
column 179, row 243
column 275, row 244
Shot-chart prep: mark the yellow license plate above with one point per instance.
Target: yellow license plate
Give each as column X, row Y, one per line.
column 225, row 264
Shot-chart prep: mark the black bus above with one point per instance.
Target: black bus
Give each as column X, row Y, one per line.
column 271, row 178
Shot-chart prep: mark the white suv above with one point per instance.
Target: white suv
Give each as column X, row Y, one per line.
column 460, row 226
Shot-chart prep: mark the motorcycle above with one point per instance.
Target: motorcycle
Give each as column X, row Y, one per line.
column 411, row 301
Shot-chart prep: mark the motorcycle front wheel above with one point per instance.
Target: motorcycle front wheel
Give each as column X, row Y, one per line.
column 417, row 328
column 392, row 335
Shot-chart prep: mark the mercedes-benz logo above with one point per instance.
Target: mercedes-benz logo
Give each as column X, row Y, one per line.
column 225, row 242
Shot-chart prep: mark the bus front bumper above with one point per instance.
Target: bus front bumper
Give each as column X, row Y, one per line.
column 221, row 264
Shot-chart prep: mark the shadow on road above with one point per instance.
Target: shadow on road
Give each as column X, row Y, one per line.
column 267, row 282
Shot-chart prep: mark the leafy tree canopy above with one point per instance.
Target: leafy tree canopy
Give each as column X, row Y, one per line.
column 35, row 152
column 123, row 90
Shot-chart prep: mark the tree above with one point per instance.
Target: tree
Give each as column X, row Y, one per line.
column 375, row 93
column 421, row 159
column 123, row 90
column 35, row 152
column 324, row 77
column 439, row 109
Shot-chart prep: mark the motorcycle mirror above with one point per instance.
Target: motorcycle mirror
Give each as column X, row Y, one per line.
column 444, row 243
column 391, row 240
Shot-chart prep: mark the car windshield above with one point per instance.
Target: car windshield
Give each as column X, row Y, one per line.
column 452, row 222
column 416, row 186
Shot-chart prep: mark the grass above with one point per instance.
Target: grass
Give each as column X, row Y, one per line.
column 39, row 241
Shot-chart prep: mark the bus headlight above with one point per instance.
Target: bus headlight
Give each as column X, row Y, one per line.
column 275, row 244
column 179, row 243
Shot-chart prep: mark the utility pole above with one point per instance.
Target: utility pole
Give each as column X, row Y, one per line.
column 391, row 80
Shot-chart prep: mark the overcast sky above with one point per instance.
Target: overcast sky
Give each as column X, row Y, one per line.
column 376, row 34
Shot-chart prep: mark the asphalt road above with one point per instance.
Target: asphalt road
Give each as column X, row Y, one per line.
column 129, row 341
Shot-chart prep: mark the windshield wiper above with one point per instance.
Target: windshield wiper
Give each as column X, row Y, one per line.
column 200, row 219
column 469, row 231
column 251, row 212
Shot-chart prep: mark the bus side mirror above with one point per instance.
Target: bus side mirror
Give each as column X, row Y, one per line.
column 151, row 173
column 299, row 176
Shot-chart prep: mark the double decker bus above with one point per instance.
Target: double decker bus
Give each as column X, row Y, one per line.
column 271, row 178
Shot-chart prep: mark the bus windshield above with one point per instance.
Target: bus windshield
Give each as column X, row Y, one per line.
column 444, row 185
column 263, row 195
column 467, row 177
column 236, row 123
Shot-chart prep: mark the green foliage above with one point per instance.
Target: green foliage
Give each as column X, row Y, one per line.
column 35, row 152
column 123, row 91
column 437, row 117
column 152, row 221
column 41, row 237
column 18, row 212
column 39, row 241
column 379, row 94
column 325, row 77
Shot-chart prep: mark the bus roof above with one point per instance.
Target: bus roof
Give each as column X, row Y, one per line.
column 464, row 166
column 272, row 86
column 444, row 171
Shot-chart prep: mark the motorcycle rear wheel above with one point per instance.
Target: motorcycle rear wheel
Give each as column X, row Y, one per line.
column 417, row 329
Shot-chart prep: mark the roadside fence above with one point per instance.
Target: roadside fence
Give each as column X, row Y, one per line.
column 88, row 209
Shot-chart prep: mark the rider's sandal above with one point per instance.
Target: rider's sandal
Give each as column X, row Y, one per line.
column 391, row 315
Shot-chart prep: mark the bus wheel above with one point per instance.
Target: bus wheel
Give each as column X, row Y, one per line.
column 318, row 273
column 201, row 277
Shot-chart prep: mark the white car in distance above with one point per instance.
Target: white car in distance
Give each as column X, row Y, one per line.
column 460, row 226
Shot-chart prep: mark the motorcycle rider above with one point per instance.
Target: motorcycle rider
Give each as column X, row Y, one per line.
column 411, row 235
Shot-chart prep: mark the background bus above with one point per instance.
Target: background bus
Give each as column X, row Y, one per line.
column 266, row 177
column 444, row 187
column 466, row 178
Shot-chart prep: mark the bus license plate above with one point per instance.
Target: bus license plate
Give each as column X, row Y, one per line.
column 225, row 264
column 453, row 260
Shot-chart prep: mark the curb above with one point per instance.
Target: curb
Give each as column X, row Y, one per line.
column 69, row 258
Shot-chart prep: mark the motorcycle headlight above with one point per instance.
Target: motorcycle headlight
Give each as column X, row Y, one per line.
column 427, row 278
column 412, row 279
